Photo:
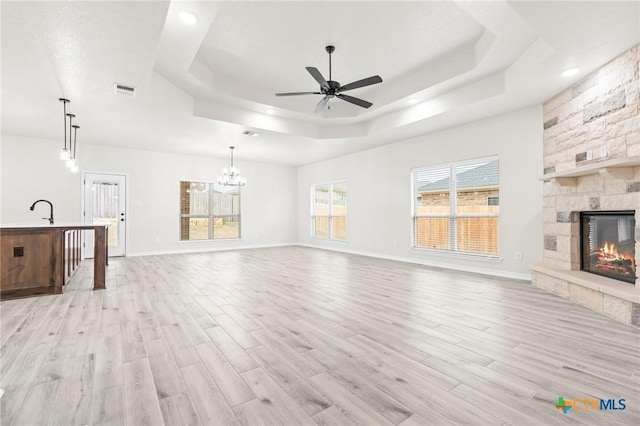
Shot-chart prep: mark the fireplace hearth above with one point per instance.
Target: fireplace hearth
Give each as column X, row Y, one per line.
column 608, row 244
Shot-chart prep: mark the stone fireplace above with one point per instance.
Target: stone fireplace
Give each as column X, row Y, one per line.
column 591, row 143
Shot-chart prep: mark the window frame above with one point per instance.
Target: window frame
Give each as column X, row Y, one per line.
column 493, row 197
column 330, row 216
column 211, row 216
column 453, row 214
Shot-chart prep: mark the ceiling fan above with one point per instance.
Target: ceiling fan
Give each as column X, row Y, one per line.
column 333, row 89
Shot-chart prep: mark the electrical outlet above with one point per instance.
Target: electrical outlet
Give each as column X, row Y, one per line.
column 589, row 155
column 518, row 255
column 603, row 151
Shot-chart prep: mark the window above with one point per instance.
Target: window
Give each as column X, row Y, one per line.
column 209, row 211
column 329, row 211
column 456, row 206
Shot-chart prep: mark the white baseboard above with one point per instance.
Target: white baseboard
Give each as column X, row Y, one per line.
column 435, row 264
column 205, row 249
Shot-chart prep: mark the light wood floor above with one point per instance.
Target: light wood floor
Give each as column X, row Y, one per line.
column 300, row 336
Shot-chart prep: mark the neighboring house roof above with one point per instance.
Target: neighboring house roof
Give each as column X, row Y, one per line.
column 481, row 176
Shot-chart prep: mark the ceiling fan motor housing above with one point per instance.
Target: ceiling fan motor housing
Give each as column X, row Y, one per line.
column 333, row 88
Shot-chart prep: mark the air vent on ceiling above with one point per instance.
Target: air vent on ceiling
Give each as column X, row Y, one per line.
column 124, row 90
column 250, row 133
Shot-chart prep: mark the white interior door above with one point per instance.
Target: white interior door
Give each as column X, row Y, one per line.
column 105, row 204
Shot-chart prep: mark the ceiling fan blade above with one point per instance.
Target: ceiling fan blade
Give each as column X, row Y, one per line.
column 321, row 105
column 355, row 101
column 361, row 83
column 298, row 93
column 319, row 78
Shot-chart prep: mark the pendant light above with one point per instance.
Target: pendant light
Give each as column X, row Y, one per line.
column 232, row 176
column 68, row 155
column 65, row 154
column 74, row 166
column 70, row 161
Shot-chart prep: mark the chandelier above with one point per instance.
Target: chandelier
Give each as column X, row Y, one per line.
column 231, row 176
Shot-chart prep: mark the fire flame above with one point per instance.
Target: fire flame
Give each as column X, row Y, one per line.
column 609, row 252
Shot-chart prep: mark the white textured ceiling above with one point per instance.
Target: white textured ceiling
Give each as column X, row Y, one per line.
column 200, row 87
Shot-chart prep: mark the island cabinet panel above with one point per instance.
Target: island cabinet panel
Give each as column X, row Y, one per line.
column 29, row 262
column 38, row 260
column 72, row 252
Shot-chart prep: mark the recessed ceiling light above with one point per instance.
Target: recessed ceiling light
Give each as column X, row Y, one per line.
column 188, row 18
column 571, row 71
column 269, row 111
column 412, row 101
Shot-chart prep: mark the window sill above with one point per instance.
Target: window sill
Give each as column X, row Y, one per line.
column 455, row 255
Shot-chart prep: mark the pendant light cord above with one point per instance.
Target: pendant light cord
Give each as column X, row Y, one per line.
column 70, row 120
column 64, row 120
column 75, row 140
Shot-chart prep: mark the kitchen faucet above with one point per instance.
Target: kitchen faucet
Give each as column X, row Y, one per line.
column 50, row 218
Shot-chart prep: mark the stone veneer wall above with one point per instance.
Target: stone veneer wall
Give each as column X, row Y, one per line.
column 593, row 121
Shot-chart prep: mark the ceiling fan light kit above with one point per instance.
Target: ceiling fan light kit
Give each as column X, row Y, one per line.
column 332, row 89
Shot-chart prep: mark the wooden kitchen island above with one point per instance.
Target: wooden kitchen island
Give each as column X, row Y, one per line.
column 39, row 259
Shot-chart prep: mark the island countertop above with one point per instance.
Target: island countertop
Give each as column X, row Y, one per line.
column 43, row 224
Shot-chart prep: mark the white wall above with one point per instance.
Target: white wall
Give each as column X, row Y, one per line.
column 379, row 195
column 31, row 170
column 275, row 202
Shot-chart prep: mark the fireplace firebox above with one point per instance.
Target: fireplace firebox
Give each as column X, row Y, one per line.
column 608, row 245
